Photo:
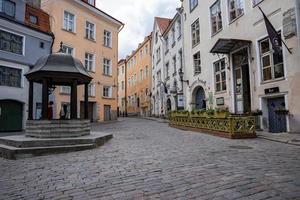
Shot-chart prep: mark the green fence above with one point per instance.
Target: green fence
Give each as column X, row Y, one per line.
column 232, row 126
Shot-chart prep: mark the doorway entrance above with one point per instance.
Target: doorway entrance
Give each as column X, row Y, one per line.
column 277, row 121
column 11, row 116
column 241, row 79
column 107, row 113
column 199, row 98
column 90, row 109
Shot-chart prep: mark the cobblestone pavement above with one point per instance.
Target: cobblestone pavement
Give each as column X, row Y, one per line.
column 149, row 160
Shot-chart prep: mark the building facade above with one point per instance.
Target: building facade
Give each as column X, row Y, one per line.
column 122, row 68
column 174, row 63
column 90, row 35
column 230, row 62
column 139, row 79
column 25, row 36
column 159, row 90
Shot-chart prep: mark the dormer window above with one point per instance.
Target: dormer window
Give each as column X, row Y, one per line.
column 33, row 19
column 7, row 8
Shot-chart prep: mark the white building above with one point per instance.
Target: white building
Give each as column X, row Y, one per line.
column 230, row 61
column 158, row 91
column 173, row 63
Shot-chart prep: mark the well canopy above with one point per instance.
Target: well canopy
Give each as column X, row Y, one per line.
column 226, row 46
column 60, row 69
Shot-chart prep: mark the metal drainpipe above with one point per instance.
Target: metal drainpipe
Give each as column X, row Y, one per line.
column 298, row 19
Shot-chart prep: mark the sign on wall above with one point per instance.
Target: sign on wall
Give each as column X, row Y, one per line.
column 181, row 101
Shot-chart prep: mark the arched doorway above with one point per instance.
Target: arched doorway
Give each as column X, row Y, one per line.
column 11, row 115
column 199, row 98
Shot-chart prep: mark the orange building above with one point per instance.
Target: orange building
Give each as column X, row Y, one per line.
column 139, row 79
column 90, row 35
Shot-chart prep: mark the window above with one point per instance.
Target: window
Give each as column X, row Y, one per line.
column 174, row 63
column 256, row 2
column 220, row 75
column 89, row 62
column 179, row 27
column 7, row 8
column 195, row 33
column 107, row 39
column 107, row 91
column 65, row 90
column 173, row 36
column 167, row 44
column 69, row 21
column 146, row 49
column 107, row 69
column 156, row 37
column 272, row 63
column 141, row 74
column 158, row 54
column 91, row 90
column 67, row 50
column 180, row 58
column 33, row 19
column 159, row 76
column 216, row 17
column 122, row 85
column 167, row 70
column 141, row 53
column 90, row 31
column 91, row 2
column 193, row 4
column 123, row 69
column 236, row 9
column 197, row 63
column 11, row 43
column 146, row 72
column 10, row 76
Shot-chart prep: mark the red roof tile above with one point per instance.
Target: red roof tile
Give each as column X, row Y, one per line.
column 163, row 23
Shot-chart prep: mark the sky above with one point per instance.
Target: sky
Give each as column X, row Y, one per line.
column 138, row 17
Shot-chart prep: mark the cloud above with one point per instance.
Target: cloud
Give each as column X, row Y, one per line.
column 138, row 17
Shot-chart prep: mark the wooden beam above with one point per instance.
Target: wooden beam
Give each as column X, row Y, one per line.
column 86, row 101
column 30, row 101
column 45, row 99
column 74, row 100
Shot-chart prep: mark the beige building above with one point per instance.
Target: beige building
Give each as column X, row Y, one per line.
column 90, row 35
column 230, row 61
column 122, row 68
column 139, row 79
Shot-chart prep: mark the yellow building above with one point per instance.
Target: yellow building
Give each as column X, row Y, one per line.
column 139, row 79
column 90, row 35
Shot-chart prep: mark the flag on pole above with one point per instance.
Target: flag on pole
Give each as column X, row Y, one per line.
column 274, row 36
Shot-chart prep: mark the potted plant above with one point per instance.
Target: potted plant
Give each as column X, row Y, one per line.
column 221, row 113
column 210, row 112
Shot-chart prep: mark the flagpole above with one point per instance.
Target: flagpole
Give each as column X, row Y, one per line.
column 265, row 17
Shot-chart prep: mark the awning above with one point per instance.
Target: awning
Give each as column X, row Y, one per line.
column 225, row 46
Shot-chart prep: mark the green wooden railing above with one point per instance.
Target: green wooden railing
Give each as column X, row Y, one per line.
column 233, row 126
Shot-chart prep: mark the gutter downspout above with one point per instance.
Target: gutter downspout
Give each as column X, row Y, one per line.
column 298, row 20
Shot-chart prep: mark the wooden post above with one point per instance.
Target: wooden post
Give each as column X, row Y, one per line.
column 86, row 101
column 45, row 99
column 30, row 101
column 74, row 100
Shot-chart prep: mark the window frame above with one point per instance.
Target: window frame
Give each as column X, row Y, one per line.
column 218, row 29
column 14, row 5
column 197, row 39
column 192, row 7
column 229, row 10
column 74, row 22
column 107, row 66
column 23, row 42
column 91, row 68
column 270, row 53
column 107, row 39
column 194, row 63
column 20, row 76
column 88, row 31
column 219, row 72
column 68, row 47
column 109, row 92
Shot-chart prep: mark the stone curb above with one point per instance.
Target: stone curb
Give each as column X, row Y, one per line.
column 278, row 140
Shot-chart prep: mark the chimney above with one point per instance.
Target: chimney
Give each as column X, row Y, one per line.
column 34, row 3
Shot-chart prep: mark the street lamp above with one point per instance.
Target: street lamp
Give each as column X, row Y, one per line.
column 181, row 74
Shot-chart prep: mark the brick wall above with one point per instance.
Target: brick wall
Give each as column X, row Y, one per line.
column 43, row 22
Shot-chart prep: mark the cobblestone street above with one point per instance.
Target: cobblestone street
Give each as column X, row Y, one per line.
column 149, row 160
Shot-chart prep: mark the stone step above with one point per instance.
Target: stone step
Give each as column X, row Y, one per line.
column 58, row 130
column 11, row 152
column 25, row 142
